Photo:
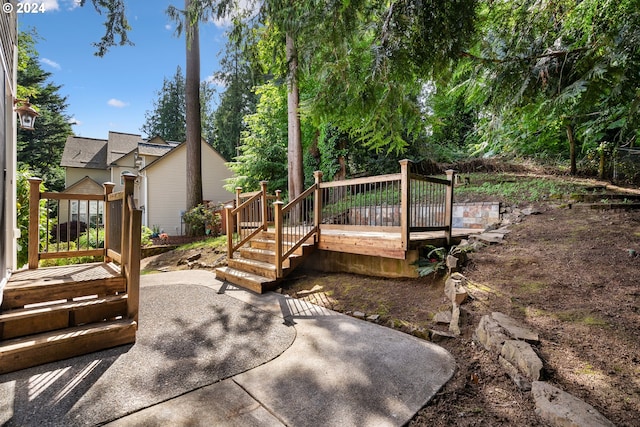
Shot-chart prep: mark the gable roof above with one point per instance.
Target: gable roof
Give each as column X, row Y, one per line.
column 82, row 152
column 86, row 185
column 121, row 144
column 177, row 147
column 148, row 149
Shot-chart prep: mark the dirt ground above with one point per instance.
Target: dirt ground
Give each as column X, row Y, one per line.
column 567, row 273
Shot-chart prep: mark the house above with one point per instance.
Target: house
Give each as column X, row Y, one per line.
column 8, row 223
column 160, row 167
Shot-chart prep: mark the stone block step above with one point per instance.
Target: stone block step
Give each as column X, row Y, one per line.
column 49, row 317
column 21, row 353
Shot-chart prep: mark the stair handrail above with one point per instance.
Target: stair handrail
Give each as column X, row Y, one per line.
column 295, row 238
column 240, row 212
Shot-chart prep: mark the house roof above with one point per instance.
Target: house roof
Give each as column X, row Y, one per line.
column 82, row 152
column 147, row 149
column 175, row 148
column 121, row 144
column 86, row 185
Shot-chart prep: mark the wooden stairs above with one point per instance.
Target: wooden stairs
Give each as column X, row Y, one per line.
column 55, row 313
column 254, row 267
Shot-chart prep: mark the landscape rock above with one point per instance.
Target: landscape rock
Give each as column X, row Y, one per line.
column 514, row 328
column 373, row 318
column 454, row 289
column 359, row 314
column 490, row 334
column 560, row 408
column 488, row 238
column 194, row 257
column 521, row 382
column 452, row 263
column 439, row 336
column 442, row 317
column 521, row 355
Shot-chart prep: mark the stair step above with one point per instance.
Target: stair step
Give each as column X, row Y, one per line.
column 244, row 279
column 48, row 347
column 264, row 255
column 260, row 268
column 270, row 245
column 46, row 285
column 43, row 318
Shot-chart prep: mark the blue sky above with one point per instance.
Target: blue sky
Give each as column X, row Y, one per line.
column 115, row 91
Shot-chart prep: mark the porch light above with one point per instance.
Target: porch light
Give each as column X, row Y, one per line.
column 26, row 113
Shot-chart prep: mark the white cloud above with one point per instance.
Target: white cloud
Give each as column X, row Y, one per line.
column 50, row 63
column 246, row 8
column 117, row 103
column 168, row 27
column 74, row 121
column 215, row 81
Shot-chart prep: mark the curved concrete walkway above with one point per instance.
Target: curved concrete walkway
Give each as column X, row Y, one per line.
column 210, row 354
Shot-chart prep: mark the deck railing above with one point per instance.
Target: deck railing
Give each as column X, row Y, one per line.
column 296, row 222
column 112, row 215
column 400, row 203
column 250, row 216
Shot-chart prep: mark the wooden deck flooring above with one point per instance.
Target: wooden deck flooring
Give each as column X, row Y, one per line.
column 67, row 273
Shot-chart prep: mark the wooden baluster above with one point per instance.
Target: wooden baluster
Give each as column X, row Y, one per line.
column 34, row 222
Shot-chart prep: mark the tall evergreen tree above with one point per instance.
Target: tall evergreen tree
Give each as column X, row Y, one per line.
column 168, row 117
column 41, row 149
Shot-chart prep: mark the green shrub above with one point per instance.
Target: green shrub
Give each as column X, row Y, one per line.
column 202, row 221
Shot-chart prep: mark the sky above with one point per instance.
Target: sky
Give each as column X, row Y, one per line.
column 114, row 92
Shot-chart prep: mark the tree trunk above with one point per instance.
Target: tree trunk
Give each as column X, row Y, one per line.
column 193, row 119
column 572, row 149
column 294, row 147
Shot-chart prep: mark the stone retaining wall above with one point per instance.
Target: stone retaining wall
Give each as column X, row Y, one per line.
column 465, row 215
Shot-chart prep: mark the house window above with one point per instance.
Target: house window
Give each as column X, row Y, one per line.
column 122, row 174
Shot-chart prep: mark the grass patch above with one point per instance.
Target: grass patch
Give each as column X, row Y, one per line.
column 579, row 317
column 513, row 189
column 212, row 242
column 532, row 287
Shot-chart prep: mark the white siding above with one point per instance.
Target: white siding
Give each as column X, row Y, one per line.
column 167, row 185
column 74, row 175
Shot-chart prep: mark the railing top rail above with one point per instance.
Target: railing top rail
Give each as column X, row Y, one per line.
column 429, row 179
column 250, row 193
column 365, row 180
column 247, row 202
column 70, row 196
column 116, row 196
column 295, row 201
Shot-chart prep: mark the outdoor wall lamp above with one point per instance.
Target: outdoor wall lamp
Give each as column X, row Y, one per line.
column 26, row 113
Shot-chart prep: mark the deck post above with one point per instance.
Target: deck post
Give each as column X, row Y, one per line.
column 405, row 203
column 133, row 269
column 129, row 181
column 263, row 189
column 278, row 195
column 108, row 189
column 277, row 205
column 448, row 210
column 238, row 218
column 317, row 204
column 34, row 222
column 229, row 230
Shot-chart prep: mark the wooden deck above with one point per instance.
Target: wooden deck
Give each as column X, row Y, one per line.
column 385, row 244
